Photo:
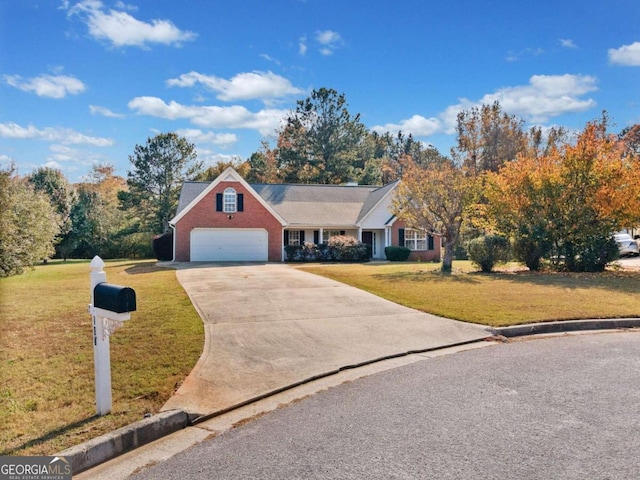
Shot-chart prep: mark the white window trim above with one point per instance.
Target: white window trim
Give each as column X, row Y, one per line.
column 229, row 201
column 412, row 239
column 294, row 237
column 327, row 234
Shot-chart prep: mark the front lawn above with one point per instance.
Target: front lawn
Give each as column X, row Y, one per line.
column 507, row 297
column 47, row 399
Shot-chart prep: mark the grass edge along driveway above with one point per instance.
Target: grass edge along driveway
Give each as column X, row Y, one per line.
column 47, row 399
column 509, row 296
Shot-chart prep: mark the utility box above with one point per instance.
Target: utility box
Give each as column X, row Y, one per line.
column 114, row 298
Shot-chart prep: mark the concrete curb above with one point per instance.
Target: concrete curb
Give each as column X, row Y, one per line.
column 106, row 447
column 566, row 326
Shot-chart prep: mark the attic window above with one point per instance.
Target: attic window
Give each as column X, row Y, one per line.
column 230, row 201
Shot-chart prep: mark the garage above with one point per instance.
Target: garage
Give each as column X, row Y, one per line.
column 229, row 245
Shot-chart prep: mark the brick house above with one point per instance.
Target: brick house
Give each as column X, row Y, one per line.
column 229, row 219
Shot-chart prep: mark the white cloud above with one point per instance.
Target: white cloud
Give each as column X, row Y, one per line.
column 545, row 97
column 269, row 58
column 302, row 45
column 65, row 136
column 417, row 125
column 70, row 159
column 124, row 6
column 567, row 43
column 626, row 55
column 211, row 158
column 223, row 140
column 105, row 112
column 235, row 116
column 329, row 41
column 52, row 86
column 6, row 161
column 120, row 29
column 515, row 56
column 53, row 164
column 328, row 37
column 244, row 86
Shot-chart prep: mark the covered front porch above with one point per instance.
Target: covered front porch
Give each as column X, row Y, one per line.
column 378, row 239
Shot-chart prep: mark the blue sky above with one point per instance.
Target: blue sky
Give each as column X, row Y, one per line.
column 83, row 82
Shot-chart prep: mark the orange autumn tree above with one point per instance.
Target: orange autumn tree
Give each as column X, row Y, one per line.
column 567, row 203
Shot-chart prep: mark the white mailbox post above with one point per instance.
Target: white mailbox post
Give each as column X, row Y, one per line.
column 110, row 306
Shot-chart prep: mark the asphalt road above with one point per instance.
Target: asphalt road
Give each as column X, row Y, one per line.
column 549, row 408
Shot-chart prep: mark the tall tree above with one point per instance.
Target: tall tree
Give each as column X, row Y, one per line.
column 97, row 222
column 434, row 199
column 263, row 165
column 630, row 136
column 487, row 137
column 395, row 150
column 54, row 184
column 28, row 224
column 158, row 170
column 214, row 171
column 320, row 141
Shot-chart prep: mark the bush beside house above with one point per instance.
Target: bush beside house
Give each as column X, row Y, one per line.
column 397, row 254
column 340, row 248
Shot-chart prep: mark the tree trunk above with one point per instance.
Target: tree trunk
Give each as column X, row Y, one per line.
column 447, row 260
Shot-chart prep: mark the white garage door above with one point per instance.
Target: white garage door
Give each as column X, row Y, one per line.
column 229, row 245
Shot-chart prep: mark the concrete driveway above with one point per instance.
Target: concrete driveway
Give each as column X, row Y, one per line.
column 271, row 326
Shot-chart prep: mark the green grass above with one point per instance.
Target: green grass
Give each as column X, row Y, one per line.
column 502, row 298
column 47, row 399
column 46, row 354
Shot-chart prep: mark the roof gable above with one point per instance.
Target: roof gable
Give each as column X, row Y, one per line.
column 196, row 191
column 375, row 199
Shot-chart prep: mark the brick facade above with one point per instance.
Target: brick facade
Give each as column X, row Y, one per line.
column 204, row 215
column 422, row 255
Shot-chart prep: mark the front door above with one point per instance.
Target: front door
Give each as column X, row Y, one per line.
column 369, row 238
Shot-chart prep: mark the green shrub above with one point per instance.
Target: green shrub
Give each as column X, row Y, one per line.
column 345, row 248
column 488, row 250
column 530, row 246
column 397, row 254
column 308, row 252
column 592, row 255
column 339, row 249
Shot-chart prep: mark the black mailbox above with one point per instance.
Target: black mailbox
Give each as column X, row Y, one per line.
column 114, row 298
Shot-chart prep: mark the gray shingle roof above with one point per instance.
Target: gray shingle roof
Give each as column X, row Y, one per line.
column 309, row 205
column 189, row 192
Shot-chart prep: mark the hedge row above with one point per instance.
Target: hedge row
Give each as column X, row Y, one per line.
column 340, row 248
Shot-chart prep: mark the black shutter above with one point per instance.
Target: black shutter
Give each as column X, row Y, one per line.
column 401, row 237
column 218, row 202
column 286, row 237
column 301, row 237
column 316, row 237
column 430, row 241
column 241, row 202
column 342, row 232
